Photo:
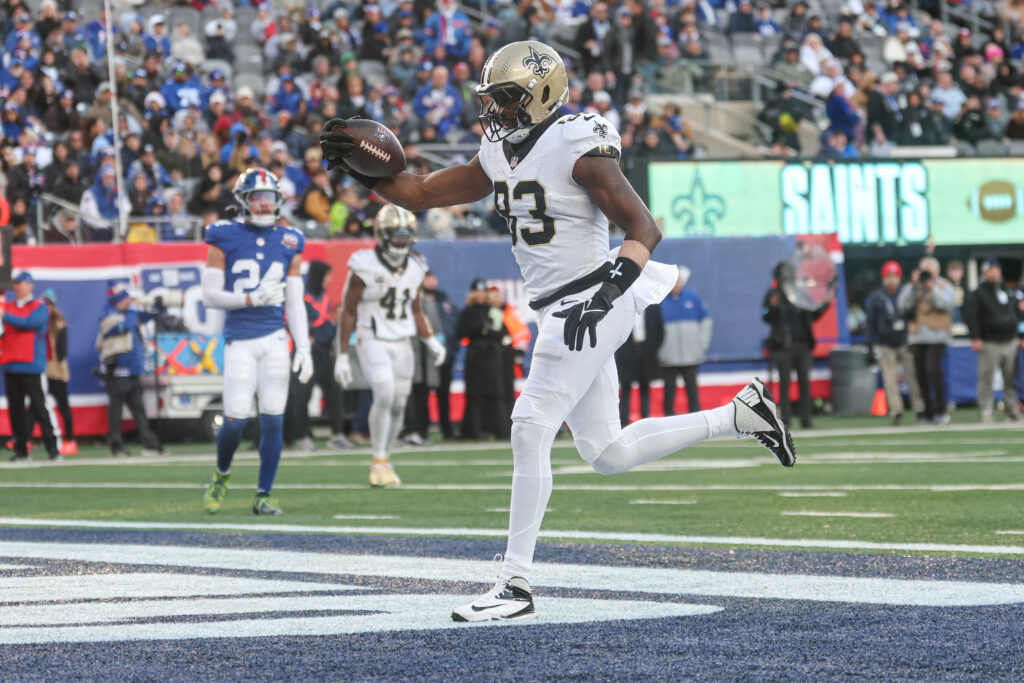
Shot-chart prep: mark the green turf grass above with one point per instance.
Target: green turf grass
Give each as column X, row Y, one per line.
column 731, row 478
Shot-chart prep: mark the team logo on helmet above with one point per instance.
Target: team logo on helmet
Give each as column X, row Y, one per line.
column 540, row 63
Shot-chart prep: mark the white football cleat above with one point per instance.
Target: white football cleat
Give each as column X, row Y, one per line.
column 508, row 599
column 757, row 416
column 382, row 475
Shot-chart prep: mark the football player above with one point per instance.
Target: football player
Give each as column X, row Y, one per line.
column 556, row 181
column 382, row 304
column 252, row 273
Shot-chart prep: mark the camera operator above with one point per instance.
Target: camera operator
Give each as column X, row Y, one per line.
column 929, row 301
column 122, row 360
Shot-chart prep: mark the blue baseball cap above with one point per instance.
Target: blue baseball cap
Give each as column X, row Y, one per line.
column 24, row 276
column 381, row 27
column 216, row 75
column 140, row 73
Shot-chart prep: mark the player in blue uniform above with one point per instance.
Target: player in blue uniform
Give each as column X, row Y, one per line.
column 252, row 273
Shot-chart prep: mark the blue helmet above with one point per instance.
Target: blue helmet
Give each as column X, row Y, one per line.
column 258, row 185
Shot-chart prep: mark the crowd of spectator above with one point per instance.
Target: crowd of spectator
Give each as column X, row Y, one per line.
column 189, row 123
column 891, row 77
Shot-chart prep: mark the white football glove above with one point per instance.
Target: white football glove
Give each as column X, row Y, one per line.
column 436, row 349
column 343, row 370
column 268, row 294
column 303, row 364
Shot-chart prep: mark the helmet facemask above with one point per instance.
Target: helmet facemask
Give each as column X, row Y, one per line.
column 395, row 244
column 261, row 207
column 503, row 113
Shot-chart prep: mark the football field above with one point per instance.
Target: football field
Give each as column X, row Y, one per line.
column 886, row 552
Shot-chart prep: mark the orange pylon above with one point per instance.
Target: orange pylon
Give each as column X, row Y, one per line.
column 880, row 407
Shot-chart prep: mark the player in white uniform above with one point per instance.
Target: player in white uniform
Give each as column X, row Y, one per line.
column 557, row 182
column 382, row 303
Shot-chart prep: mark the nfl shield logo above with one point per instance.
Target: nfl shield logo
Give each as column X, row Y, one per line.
column 289, row 241
column 381, row 134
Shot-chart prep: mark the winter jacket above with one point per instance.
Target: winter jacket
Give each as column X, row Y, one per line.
column 886, row 324
column 992, row 313
column 930, row 313
column 789, row 324
column 687, row 325
column 131, row 363
column 23, row 345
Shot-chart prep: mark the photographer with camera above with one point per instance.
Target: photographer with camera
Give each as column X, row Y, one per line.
column 929, row 301
column 122, row 360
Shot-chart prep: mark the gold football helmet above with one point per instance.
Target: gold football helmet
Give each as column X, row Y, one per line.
column 521, row 85
column 394, row 228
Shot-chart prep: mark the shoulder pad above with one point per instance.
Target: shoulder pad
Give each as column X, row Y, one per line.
column 419, row 259
column 293, row 235
column 584, row 132
column 360, row 260
column 218, row 231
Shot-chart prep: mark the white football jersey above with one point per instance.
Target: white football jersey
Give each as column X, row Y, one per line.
column 558, row 233
column 386, row 306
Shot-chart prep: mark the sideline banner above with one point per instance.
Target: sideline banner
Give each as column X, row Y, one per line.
column 732, row 276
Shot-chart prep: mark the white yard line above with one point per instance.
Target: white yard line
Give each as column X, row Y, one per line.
column 932, row 488
column 662, row 502
column 367, row 517
column 809, row 513
column 1011, row 532
column 812, row 494
column 501, row 533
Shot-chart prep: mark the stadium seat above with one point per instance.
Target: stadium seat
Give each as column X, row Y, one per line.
column 1017, row 148
column 225, row 66
column 188, row 16
column 965, row 149
column 991, row 148
column 770, row 47
column 255, row 81
column 749, row 55
column 248, row 55
column 719, row 50
column 244, row 16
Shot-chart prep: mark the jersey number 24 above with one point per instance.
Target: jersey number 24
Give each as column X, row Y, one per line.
column 503, row 205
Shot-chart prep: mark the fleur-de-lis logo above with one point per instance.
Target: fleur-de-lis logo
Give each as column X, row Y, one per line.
column 698, row 211
column 540, row 63
column 601, row 129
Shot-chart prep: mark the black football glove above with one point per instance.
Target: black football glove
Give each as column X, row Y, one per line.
column 336, row 144
column 585, row 316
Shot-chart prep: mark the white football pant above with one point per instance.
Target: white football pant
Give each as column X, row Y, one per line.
column 388, row 367
column 581, row 388
column 256, row 367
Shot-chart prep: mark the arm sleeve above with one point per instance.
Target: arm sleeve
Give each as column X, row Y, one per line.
column 36, row 320
column 295, row 309
column 214, row 294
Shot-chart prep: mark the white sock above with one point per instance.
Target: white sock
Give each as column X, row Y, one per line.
column 379, row 420
column 531, row 489
column 397, row 419
column 653, row 438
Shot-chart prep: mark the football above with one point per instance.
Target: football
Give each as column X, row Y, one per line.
column 996, row 201
column 378, row 152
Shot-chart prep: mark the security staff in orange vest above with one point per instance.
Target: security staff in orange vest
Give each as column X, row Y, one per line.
column 322, row 331
column 23, row 357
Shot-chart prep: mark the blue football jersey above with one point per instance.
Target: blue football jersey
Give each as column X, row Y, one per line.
column 251, row 254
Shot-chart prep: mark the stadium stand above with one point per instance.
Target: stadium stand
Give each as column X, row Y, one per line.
column 684, row 79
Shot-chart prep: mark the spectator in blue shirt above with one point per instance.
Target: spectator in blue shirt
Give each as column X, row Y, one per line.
column 287, row 98
column 157, row 41
column 448, row 27
column 687, row 338
column 765, row 22
column 438, row 103
column 180, row 91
